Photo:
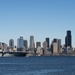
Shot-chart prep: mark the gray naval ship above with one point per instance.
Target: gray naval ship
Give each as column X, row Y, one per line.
column 18, row 53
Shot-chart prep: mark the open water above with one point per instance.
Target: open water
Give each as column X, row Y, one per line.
column 57, row 65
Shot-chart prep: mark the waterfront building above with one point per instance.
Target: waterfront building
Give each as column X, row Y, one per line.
column 46, row 51
column 61, row 50
column 0, row 45
column 45, row 47
column 39, row 51
column 55, row 48
column 55, row 40
column 20, row 43
column 68, row 39
column 26, row 44
column 4, row 46
column 38, row 44
column 47, row 40
column 69, row 50
column 11, row 43
column 59, row 45
column 32, row 44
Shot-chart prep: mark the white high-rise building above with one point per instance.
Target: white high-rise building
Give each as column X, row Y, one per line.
column 55, row 48
column 39, row 51
column 45, row 47
column 32, row 45
column 4, row 46
column 20, row 42
column 11, row 43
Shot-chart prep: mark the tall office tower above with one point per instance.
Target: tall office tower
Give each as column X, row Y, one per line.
column 0, row 45
column 11, row 43
column 68, row 39
column 38, row 44
column 20, row 43
column 47, row 40
column 32, row 45
column 45, row 47
column 55, row 46
column 55, row 40
column 59, row 45
column 26, row 44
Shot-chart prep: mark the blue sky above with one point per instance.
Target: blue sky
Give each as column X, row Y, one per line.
column 41, row 18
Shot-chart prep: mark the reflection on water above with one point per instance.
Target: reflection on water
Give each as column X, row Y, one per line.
column 37, row 66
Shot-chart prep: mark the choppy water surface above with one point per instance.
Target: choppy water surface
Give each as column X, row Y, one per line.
column 37, row 65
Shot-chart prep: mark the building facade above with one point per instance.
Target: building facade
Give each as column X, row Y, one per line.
column 59, row 45
column 38, row 44
column 48, row 42
column 20, row 42
column 11, row 43
column 45, row 47
column 55, row 46
column 68, row 39
column 32, row 44
column 26, row 44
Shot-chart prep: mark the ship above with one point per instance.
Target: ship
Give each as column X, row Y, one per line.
column 20, row 54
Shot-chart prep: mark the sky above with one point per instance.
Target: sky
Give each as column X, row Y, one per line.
column 41, row 18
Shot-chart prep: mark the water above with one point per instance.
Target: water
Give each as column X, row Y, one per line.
column 37, row 65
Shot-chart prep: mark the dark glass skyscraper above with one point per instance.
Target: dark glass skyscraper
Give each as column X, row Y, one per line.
column 38, row 44
column 55, row 40
column 26, row 44
column 68, row 39
column 47, row 40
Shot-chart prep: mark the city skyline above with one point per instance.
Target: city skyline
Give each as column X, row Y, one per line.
column 40, row 18
column 35, row 48
column 22, row 42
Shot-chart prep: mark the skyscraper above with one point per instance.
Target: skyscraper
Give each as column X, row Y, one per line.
column 32, row 45
column 38, row 44
column 11, row 43
column 45, row 47
column 26, row 44
column 20, row 42
column 55, row 40
column 0, row 45
column 68, row 39
column 47, row 40
column 55, row 46
column 59, row 45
